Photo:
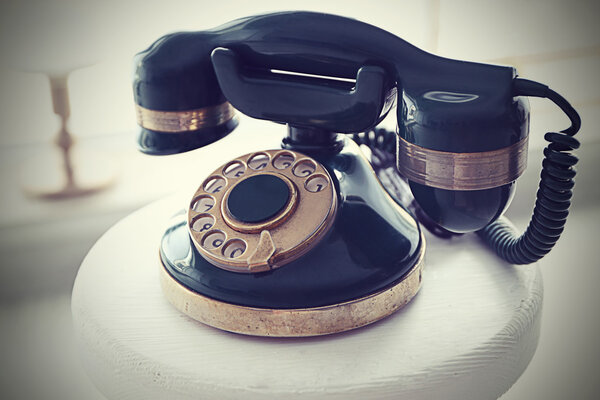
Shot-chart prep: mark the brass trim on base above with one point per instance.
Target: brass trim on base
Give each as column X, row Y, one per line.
column 462, row 171
column 295, row 322
column 184, row 121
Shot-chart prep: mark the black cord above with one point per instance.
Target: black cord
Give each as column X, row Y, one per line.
column 377, row 138
column 553, row 197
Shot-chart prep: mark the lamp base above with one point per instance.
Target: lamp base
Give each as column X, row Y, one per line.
column 42, row 177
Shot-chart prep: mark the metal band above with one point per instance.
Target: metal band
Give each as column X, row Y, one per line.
column 462, row 171
column 183, row 121
column 295, row 322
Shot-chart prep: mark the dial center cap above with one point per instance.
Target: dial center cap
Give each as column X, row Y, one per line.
column 258, row 198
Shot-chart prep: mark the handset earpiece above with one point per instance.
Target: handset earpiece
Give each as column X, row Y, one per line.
column 179, row 104
column 462, row 144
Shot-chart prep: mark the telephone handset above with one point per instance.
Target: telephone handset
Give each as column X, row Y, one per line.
column 305, row 240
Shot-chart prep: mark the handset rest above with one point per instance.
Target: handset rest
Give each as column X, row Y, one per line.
column 303, row 101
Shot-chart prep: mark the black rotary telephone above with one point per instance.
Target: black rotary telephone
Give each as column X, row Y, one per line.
column 304, row 240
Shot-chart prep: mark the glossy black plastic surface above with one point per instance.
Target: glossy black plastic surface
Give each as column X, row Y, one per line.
column 461, row 210
column 372, row 244
column 459, row 124
column 336, row 108
column 443, row 104
column 258, row 198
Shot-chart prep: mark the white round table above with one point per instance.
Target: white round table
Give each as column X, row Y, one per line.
column 468, row 334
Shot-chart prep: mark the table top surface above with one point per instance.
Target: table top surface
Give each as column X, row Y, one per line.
column 468, row 334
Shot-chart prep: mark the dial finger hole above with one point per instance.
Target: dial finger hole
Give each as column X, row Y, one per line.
column 304, row 168
column 258, row 161
column 316, row 183
column 203, row 223
column 213, row 240
column 234, row 248
column 214, row 184
column 283, row 160
column 234, row 169
column 203, row 204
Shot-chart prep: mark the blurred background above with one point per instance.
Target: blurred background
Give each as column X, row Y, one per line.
column 42, row 242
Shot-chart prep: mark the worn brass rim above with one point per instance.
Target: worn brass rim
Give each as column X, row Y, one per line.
column 183, row 121
column 462, row 171
column 295, row 322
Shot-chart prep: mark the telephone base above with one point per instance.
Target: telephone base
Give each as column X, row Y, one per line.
column 363, row 267
column 297, row 322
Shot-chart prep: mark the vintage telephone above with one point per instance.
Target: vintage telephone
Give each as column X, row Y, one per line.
column 305, row 240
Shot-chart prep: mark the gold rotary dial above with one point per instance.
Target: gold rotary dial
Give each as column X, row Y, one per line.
column 256, row 244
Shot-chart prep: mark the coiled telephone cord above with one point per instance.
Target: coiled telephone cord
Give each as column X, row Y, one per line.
column 553, row 197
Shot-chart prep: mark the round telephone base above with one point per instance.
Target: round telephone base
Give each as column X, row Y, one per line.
column 296, row 322
column 366, row 265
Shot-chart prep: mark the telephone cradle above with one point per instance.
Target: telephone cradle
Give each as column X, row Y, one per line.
column 305, row 240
